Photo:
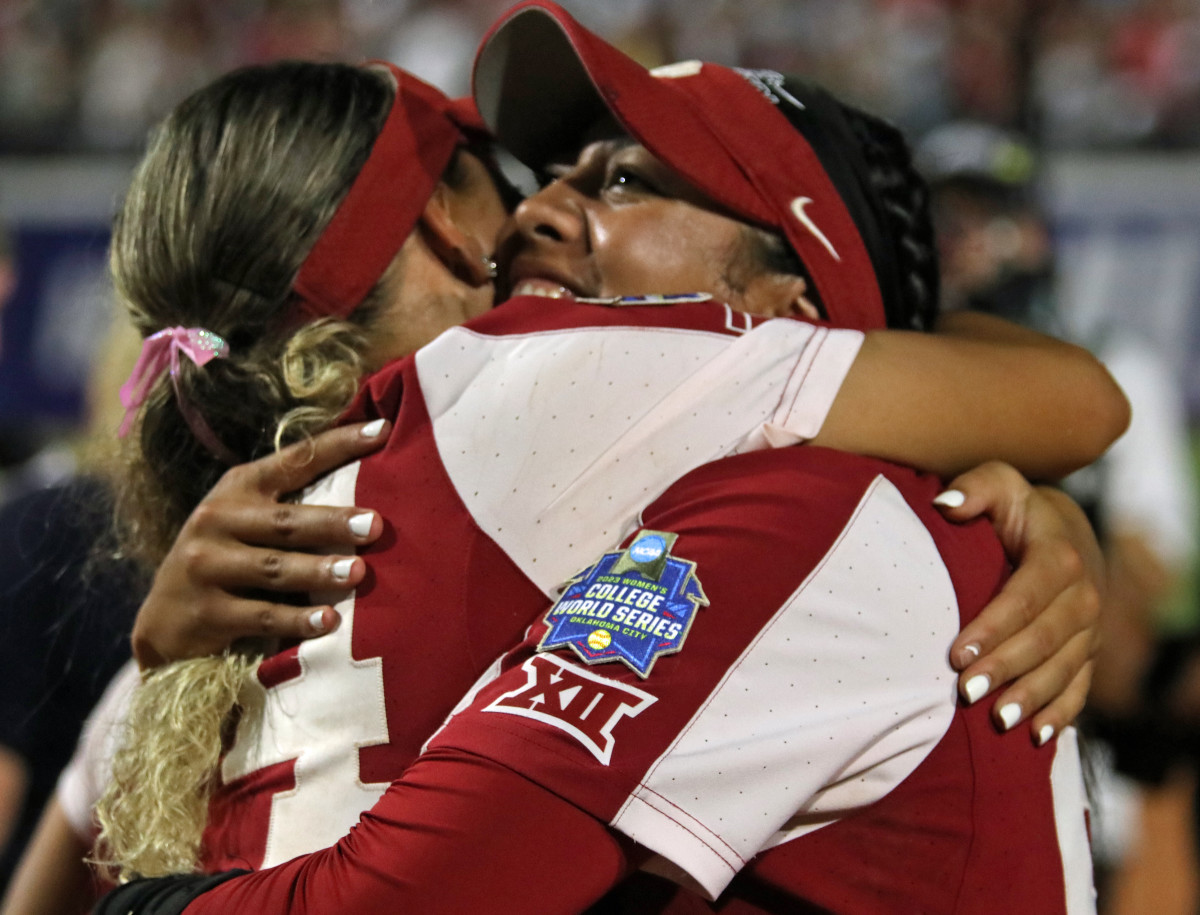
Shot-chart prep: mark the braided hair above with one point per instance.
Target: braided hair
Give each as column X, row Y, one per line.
column 870, row 164
column 903, row 199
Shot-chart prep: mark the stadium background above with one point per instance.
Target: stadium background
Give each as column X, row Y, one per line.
column 1108, row 90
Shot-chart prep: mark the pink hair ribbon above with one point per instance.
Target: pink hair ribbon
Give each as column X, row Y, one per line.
column 160, row 353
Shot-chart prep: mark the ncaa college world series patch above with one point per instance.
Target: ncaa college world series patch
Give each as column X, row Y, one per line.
column 633, row 606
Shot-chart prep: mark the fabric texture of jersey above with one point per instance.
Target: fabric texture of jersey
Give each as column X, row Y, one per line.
column 524, row 444
column 811, row 710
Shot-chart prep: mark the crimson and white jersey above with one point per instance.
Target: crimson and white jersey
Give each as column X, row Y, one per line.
column 808, row 714
column 524, row 445
column 754, row 687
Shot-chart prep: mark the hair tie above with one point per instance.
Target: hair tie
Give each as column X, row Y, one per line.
column 160, row 353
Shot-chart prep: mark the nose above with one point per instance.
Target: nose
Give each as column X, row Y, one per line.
column 555, row 214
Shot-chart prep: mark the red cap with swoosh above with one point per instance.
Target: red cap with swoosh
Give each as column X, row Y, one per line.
column 772, row 149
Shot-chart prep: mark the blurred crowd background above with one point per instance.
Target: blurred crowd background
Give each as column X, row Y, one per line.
column 1064, row 139
column 91, row 74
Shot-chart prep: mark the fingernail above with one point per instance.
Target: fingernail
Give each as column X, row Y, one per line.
column 1044, row 734
column 341, row 569
column 372, row 429
column 360, row 525
column 316, row 619
column 951, row 498
column 1010, row 714
column 977, row 687
column 972, row 649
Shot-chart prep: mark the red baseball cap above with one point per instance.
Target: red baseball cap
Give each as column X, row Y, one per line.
column 386, row 199
column 773, row 149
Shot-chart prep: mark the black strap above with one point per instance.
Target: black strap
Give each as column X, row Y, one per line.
column 160, row 895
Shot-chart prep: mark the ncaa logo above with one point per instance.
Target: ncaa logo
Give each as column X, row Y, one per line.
column 647, row 549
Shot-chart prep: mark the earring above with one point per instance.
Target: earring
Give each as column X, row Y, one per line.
column 490, row 265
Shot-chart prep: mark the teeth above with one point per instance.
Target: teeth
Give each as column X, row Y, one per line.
column 542, row 288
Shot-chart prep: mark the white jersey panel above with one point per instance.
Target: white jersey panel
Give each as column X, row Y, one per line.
column 1070, row 804
column 555, row 439
column 307, row 719
column 86, row 775
column 816, row 719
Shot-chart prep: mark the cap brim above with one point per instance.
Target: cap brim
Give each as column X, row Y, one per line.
column 535, row 118
column 535, row 90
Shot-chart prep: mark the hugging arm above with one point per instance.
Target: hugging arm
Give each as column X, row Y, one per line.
column 244, row 544
column 528, row 850
column 980, row 389
column 1040, row 632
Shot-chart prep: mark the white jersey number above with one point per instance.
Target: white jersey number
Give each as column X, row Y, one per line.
column 319, row 719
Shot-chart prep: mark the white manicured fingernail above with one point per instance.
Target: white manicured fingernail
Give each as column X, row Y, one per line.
column 977, row 687
column 1044, row 735
column 316, row 619
column 973, row 648
column 360, row 525
column 341, row 569
column 372, row 429
column 1010, row 714
column 951, row 498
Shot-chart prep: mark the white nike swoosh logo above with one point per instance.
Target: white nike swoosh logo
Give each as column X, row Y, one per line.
column 798, row 211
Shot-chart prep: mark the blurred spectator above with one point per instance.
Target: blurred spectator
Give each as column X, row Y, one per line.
column 993, row 242
column 310, row 29
column 65, row 615
column 37, row 82
column 997, row 257
column 141, row 59
column 66, row 607
column 437, row 41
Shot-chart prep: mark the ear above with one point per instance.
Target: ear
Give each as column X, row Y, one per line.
column 779, row 295
column 461, row 253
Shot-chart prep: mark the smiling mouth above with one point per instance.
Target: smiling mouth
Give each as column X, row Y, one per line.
column 547, row 289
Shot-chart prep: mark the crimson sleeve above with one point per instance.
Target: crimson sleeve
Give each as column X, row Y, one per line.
column 457, row 833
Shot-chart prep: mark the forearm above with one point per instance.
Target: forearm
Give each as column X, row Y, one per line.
column 52, row 878
column 456, row 834
column 979, row 389
column 14, row 780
